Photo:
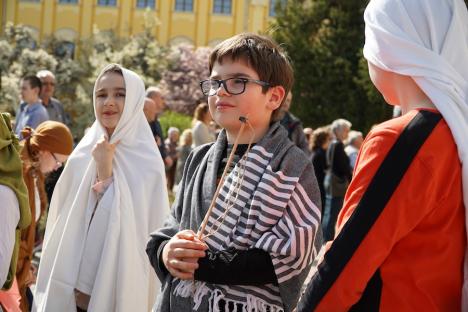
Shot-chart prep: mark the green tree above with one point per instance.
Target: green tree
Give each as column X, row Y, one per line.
column 324, row 40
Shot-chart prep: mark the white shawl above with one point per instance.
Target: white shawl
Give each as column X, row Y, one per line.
column 427, row 40
column 124, row 280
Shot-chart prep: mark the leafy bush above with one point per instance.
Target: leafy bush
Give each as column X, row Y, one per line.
column 174, row 119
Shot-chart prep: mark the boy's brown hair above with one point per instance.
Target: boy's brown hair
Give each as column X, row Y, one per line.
column 264, row 56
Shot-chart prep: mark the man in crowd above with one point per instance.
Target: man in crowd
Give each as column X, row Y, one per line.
column 53, row 106
column 294, row 126
column 154, row 105
column 354, row 142
column 31, row 112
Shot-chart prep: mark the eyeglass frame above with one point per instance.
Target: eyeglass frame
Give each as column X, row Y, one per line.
column 57, row 162
column 223, row 82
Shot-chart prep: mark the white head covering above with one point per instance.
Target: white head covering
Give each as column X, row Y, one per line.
column 427, row 40
column 124, row 281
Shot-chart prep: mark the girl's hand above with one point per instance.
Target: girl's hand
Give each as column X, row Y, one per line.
column 103, row 153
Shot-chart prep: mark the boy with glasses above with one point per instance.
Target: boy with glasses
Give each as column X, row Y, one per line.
column 263, row 232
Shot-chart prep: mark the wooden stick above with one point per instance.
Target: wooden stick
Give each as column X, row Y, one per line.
column 243, row 121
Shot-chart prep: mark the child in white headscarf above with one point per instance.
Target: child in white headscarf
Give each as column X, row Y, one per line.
column 401, row 242
column 111, row 194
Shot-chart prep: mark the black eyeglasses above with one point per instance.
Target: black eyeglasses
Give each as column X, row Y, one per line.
column 232, row 86
column 58, row 162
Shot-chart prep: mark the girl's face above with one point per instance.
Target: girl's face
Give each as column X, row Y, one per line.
column 49, row 161
column 110, row 100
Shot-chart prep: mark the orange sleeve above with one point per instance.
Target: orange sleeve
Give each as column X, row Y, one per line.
column 392, row 224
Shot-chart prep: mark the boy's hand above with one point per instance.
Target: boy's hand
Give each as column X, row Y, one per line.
column 181, row 253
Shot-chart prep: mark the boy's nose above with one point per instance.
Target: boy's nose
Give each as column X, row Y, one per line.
column 221, row 90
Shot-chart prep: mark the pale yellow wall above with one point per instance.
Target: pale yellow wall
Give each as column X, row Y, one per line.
column 200, row 27
column 3, row 8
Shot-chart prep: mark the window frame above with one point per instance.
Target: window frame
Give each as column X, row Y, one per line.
column 107, row 3
column 222, row 7
column 68, row 1
column 153, row 7
column 184, row 4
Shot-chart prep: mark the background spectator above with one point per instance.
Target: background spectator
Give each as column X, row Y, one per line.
column 353, row 145
column 308, row 133
column 294, row 126
column 30, row 112
column 337, row 178
column 320, row 140
column 56, row 112
column 172, row 142
column 155, row 94
column 53, row 106
column 201, row 131
column 183, row 151
column 149, row 108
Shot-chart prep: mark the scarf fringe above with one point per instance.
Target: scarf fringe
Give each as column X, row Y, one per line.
column 199, row 290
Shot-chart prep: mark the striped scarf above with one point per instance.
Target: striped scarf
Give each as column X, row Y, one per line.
column 274, row 199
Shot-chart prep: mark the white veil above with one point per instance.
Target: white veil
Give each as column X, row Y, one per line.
column 124, row 280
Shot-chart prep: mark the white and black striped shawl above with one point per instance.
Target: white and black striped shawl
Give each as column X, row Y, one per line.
column 277, row 210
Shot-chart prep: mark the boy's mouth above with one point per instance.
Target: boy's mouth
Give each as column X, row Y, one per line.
column 223, row 105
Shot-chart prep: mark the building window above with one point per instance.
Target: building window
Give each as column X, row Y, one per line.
column 276, row 4
column 222, row 6
column 146, row 4
column 184, row 5
column 107, row 2
column 68, row 1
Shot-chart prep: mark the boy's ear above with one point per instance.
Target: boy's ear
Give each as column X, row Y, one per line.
column 277, row 95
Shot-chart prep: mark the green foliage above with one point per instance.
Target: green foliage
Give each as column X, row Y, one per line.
column 144, row 56
column 330, row 79
column 174, row 119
